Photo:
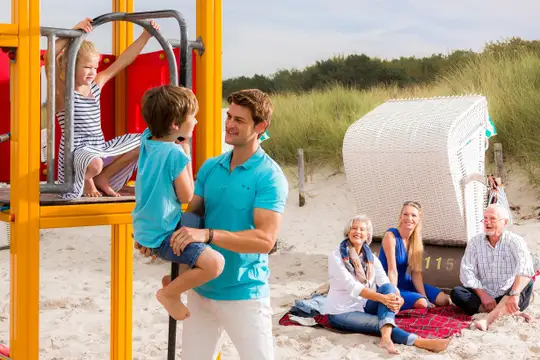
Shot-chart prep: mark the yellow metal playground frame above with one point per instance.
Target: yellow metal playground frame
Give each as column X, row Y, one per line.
column 27, row 216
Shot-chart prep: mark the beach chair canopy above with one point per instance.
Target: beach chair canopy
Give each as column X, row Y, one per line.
column 424, row 150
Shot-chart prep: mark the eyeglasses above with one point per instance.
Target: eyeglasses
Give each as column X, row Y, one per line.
column 490, row 220
column 413, row 203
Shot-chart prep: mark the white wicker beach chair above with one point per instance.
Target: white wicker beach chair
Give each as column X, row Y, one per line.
column 429, row 150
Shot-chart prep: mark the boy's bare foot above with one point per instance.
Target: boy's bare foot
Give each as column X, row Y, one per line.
column 166, row 280
column 482, row 324
column 102, row 183
column 176, row 309
column 434, row 345
column 90, row 189
column 389, row 346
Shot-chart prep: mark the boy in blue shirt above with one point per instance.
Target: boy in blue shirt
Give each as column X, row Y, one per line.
column 164, row 182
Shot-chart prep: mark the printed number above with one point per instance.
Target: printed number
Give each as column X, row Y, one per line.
column 449, row 263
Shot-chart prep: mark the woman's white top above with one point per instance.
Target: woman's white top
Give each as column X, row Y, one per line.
column 344, row 294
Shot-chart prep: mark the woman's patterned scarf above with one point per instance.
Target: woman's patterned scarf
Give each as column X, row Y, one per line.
column 359, row 266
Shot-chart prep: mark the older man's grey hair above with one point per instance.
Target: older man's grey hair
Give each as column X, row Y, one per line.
column 501, row 210
column 362, row 218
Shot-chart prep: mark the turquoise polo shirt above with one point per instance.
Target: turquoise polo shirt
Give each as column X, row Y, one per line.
column 229, row 201
column 157, row 210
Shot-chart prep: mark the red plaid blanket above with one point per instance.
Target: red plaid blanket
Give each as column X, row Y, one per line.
column 431, row 323
column 4, row 351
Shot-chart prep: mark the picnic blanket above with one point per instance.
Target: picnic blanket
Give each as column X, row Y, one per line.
column 4, row 350
column 430, row 323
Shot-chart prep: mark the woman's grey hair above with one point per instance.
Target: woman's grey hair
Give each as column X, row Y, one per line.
column 362, row 218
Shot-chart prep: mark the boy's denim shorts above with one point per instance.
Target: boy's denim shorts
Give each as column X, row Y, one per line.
column 188, row 257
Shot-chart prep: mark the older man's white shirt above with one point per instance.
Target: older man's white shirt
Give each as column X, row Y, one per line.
column 494, row 269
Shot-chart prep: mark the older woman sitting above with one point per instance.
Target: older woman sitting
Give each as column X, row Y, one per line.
column 354, row 303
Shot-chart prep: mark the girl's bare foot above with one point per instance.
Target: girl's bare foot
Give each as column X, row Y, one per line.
column 102, row 183
column 90, row 189
column 176, row 309
column 434, row 345
column 389, row 346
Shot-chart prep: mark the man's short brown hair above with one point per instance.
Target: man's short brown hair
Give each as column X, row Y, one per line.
column 257, row 101
column 166, row 105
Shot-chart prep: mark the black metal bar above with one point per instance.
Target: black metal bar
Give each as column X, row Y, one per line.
column 59, row 32
column 51, row 106
column 185, row 76
column 171, row 344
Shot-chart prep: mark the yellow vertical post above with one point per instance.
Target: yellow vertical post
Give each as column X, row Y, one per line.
column 121, row 292
column 122, row 38
column 217, row 85
column 25, row 149
column 121, row 245
column 209, row 80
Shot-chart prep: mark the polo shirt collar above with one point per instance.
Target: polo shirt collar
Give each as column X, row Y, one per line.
column 252, row 161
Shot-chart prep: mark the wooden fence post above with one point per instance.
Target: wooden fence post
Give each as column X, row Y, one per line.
column 301, row 178
column 497, row 150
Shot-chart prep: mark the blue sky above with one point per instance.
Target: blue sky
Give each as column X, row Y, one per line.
column 265, row 36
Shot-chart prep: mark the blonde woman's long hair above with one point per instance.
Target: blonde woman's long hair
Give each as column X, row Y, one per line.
column 416, row 246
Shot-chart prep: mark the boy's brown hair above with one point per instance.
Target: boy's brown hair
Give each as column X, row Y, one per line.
column 257, row 101
column 166, row 105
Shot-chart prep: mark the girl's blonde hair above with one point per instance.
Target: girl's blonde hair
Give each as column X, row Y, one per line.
column 416, row 246
column 87, row 49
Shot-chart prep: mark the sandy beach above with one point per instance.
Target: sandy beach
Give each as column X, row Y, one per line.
column 75, row 284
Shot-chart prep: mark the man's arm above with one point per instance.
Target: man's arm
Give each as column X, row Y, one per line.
column 269, row 207
column 196, row 205
column 259, row 240
column 525, row 269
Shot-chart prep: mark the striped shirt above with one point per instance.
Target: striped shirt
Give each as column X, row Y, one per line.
column 494, row 269
column 89, row 143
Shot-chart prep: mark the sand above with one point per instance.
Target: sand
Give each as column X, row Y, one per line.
column 75, row 284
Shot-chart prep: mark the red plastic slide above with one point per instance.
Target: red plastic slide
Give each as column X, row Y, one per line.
column 146, row 71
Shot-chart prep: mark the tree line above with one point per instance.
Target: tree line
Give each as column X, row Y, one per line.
column 360, row 71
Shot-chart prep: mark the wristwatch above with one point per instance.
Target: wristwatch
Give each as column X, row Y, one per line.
column 513, row 293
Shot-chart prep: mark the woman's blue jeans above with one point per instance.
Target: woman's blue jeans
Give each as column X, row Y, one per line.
column 374, row 317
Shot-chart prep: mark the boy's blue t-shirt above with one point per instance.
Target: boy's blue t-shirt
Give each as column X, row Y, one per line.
column 157, row 210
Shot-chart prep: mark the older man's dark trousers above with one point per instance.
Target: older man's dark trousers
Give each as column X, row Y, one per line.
column 469, row 302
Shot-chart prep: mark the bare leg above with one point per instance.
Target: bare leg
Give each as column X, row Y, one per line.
column 435, row 345
column 499, row 311
column 208, row 266
column 442, row 299
column 386, row 339
column 92, row 170
column 102, row 179
column 420, row 304
column 166, row 280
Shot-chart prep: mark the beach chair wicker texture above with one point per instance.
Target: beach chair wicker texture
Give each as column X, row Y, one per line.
column 423, row 150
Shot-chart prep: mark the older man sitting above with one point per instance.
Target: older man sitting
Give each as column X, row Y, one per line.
column 496, row 271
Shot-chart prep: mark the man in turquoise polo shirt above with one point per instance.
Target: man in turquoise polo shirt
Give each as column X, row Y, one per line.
column 242, row 195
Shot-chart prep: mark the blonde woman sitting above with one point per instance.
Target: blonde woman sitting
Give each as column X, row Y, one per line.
column 401, row 248
column 361, row 298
